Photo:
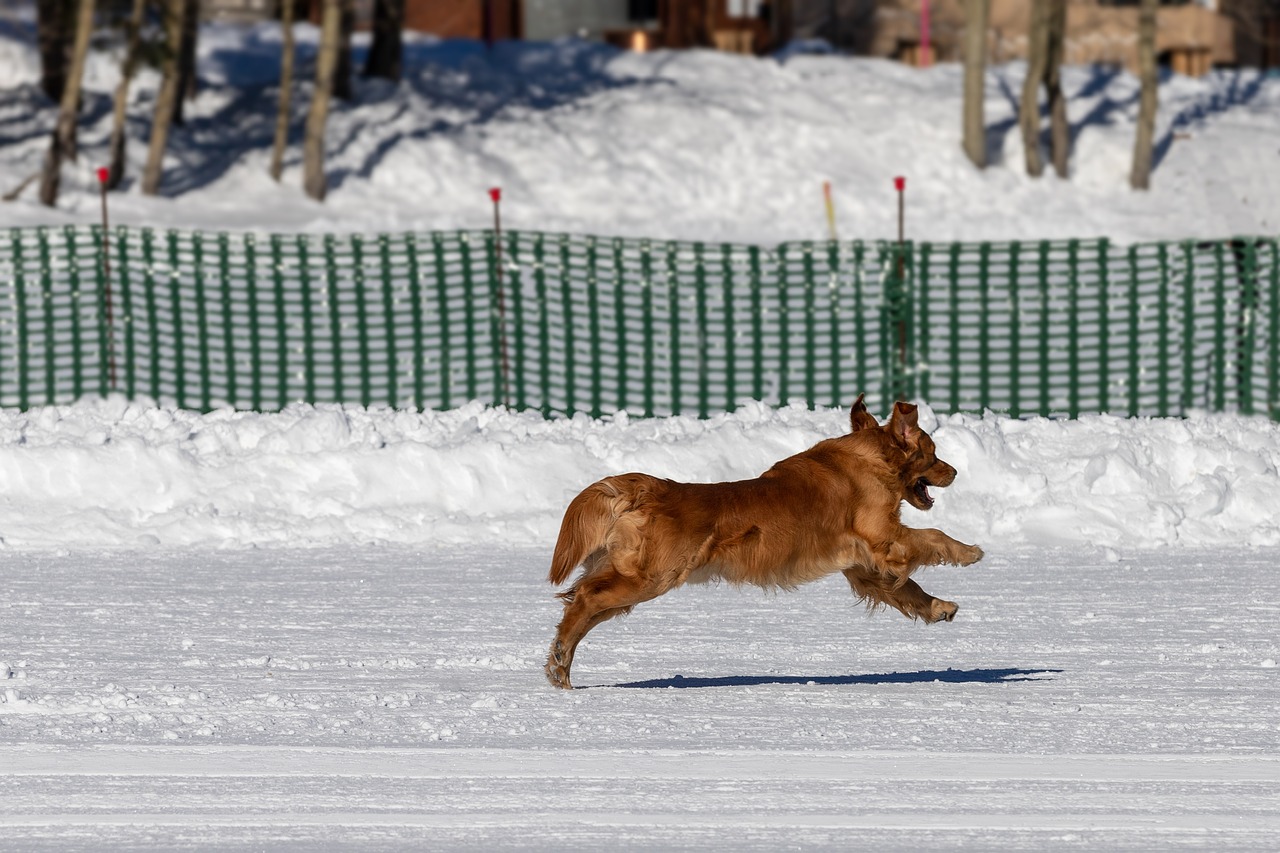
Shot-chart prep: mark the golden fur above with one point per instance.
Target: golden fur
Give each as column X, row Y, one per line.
column 833, row 508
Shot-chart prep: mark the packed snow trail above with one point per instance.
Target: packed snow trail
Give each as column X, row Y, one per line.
column 375, row 697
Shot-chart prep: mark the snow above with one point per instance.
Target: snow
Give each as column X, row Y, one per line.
column 325, row 627
column 372, row 697
column 691, row 145
column 370, row 674
column 121, row 475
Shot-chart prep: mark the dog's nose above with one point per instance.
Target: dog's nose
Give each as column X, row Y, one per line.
column 942, row 474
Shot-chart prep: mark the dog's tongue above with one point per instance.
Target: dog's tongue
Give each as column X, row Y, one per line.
column 922, row 491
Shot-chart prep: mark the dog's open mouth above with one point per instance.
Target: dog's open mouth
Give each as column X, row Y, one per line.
column 921, row 490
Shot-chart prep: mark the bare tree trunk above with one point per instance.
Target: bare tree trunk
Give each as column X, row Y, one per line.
column 386, row 52
column 342, row 71
column 1029, row 109
column 127, row 67
column 1059, row 130
column 975, row 71
column 53, row 33
column 165, row 100
column 63, row 144
column 286, row 91
column 1140, row 176
column 313, row 180
column 187, row 59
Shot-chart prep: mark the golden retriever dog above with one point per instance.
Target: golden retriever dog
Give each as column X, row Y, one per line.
column 836, row 507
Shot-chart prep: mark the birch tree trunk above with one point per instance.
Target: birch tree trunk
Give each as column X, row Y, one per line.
column 341, row 88
column 53, row 31
column 975, row 70
column 286, row 92
column 133, row 30
column 187, row 59
column 1029, row 109
column 313, row 179
column 1059, row 130
column 1140, row 175
column 387, row 50
column 63, row 144
column 166, row 99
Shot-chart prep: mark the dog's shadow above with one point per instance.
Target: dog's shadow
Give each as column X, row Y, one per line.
column 927, row 676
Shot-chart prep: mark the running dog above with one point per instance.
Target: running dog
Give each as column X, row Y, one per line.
column 836, row 507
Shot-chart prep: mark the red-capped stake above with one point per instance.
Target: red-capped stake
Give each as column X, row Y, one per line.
column 496, row 194
column 899, row 184
column 103, row 175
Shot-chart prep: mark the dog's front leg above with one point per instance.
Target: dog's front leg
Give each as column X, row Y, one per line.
column 906, row 596
column 913, row 548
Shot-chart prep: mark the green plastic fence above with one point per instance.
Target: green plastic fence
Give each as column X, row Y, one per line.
column 561, row 323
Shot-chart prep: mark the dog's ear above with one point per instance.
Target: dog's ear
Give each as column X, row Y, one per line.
column 859, row 417
column 904, row 425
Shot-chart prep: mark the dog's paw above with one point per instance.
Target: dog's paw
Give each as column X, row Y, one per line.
column 971, row 555
column 943, row 611
column 557, row 672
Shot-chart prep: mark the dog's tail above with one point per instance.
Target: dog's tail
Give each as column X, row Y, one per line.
column 585, row 528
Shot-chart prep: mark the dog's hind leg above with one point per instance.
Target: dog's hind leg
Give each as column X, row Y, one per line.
column 906, row 597
column 560, row 660
column 594, row 599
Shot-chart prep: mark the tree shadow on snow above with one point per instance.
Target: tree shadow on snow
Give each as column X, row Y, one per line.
column 947, row 676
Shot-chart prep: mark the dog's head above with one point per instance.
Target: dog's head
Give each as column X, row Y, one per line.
column 920, row 467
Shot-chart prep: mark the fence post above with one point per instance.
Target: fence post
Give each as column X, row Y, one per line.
column 897, row 315
column 389, row 320
column 442, row 306
column 1104, row 326
column 953, row 324
column 1246, row 257
column 1134, row 349
column 984, row 327
column 646, row 295
column 1219, row 329
column 46, row 309
column 1162, row 346
column 282, row 333
column 126, row 315
column 730, row 350
column 833, row 299
column 544, row 322
column 153, row 315
column 1073, row 329
column 202, row 326
column 620, row 324
column 700, row 306
column 22, row 356
column 593, row 325
column 517, row 310
column 1015, row 334
column 810, row 329
column 228, row 336
column 1273, row 361
column 415, row 311
column 673, row 314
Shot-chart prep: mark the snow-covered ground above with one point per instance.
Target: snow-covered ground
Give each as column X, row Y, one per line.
column 325, row 628
column 328, row 626
column 696, row 145
column 392, row 697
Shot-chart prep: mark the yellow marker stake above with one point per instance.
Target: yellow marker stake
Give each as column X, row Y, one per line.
column 831, row 209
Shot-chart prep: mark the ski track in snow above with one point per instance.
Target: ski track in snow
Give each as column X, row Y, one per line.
column 391, row 697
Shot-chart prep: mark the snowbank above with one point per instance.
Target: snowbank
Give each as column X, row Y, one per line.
column 112, row 474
